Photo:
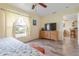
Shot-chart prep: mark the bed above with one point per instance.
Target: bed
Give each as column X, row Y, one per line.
column 13, row 47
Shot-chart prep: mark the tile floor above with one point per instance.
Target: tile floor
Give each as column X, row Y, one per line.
column 57, row 48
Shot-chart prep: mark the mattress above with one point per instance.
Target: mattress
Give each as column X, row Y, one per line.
column 13, row 47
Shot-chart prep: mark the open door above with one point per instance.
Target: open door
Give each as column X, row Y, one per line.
column 70, row 33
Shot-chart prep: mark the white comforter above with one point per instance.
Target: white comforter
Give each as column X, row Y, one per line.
column 13, row 47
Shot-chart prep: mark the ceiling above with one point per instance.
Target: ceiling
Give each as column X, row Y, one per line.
column 51, row 7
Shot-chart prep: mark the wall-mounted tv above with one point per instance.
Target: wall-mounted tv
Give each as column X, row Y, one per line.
column 50, row 26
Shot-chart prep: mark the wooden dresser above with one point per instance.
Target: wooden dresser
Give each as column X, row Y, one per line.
column 53, row 35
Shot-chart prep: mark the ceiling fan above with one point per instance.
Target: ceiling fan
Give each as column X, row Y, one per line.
column 41, row 4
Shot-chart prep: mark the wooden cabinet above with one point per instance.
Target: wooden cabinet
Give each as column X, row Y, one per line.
column 47, row 35
column 42, row 34
column 53, row 35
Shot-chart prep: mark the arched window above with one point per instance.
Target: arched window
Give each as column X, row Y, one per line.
column 21, row 27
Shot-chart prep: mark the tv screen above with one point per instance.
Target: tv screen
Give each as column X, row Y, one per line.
column 50, row 26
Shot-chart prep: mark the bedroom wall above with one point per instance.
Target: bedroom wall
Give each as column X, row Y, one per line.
column 34, row 33
column 2, row 24
column 58, row 18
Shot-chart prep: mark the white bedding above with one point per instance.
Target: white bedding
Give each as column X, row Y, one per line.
column 12, row 47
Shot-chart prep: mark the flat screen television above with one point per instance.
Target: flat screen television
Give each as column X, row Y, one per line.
column 50, row 26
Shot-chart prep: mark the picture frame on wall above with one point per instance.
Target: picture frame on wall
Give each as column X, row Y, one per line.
column 34, row 22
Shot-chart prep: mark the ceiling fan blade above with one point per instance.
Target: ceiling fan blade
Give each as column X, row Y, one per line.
column 33, row 6
column 43, row 5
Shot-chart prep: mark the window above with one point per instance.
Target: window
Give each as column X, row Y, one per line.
column 21, row 27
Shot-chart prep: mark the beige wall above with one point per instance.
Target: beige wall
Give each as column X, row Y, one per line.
column 34, row 31
column 2, row 24
column 58, row 18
